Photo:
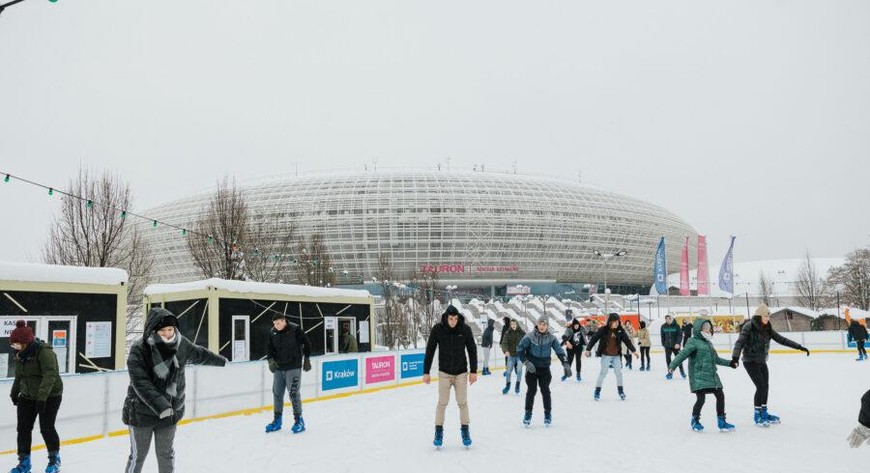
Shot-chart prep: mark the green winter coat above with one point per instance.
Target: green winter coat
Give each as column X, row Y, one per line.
column 702, row 360
column 37, row 377
column 511, row 339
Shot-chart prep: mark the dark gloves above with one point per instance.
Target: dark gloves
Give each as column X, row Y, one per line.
column 40, row 407
column 530, row 367
column 805, row 349
column 273, row 365
column 14, row 396
column 734, row 362
column 306, row 364
column 567, row 367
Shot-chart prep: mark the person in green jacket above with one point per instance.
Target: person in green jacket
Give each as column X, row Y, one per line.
column 509, row 341
column 36, row 392
column 703, row 379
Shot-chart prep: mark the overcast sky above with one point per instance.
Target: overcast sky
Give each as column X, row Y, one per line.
column 742, row 117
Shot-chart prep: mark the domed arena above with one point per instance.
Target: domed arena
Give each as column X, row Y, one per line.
column 474, row 229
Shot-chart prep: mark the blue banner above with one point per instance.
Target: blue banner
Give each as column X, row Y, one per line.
column 340, row 374
column 726, row 271
column 412, row 365
column 660, row 271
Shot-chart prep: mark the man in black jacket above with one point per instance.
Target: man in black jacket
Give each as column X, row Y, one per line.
column 858, row 333
column 671, row 337
column 486, row 344
column 453, row 339
column 155, row 398
column 288, row 354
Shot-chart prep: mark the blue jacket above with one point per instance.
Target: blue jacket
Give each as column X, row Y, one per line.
column 536, row 346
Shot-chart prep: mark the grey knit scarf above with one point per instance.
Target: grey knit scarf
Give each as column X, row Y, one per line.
column 165, row 365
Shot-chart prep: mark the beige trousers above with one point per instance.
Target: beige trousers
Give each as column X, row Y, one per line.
column 460, row 384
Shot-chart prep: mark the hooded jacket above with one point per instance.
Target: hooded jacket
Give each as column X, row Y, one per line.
column 511, row 339
column 702, row 360
column 857, row 331
column 576, row 335
column 536, row 346
column 604, row 331
column 288, row 347
column 149, row 394
column 754, row 341
column 486, row 340
column 452, row 344
column 36, row 374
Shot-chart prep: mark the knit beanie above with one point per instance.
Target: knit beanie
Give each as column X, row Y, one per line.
column 21, row 334
column 543, row 319
column 762, row 311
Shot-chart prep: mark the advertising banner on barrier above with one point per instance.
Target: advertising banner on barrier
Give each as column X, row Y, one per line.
column 721, row 323
column 339, row 374
column 412, row 365
column 380, row 369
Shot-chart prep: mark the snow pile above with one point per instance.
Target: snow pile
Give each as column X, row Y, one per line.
column 292, row 290
column 53, row 273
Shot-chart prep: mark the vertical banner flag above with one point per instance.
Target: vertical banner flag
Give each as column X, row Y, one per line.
column 660, row 272
column 684, row 269
column 726, row 272
column 703, row 272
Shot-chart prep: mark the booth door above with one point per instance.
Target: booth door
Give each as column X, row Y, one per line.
column 241, row 338
column 347, row 328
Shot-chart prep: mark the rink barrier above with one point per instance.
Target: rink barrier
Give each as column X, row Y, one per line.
column 99, row 397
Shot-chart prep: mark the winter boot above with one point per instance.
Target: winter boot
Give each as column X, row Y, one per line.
column 275, row 425
column 669, row 376
column 768, row 417
column 517, row 387
column 527, row 418
column 621, row 392
column 642, row 368
column 23, row 465
column 439, row 436
column 466, row 435
column 579, row 378
column 597, row 395
column 725, row 426
column 564, row 377
column 298, row 426
column 507, row 387
column 683, row 374
column 696, row 424
column 53, row 462
column 759, row 419
column 548, row 418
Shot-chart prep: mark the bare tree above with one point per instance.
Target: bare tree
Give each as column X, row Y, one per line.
column 853, row 279
column 222, row 225
column 765, row 287
column 811, row 287
column 314, row 263
column 268, row 249
column 424, row 316
column 94, row 232
column 390, row 321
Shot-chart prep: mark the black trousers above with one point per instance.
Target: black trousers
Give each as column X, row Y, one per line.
column 27, row 418
column 760, row 378
column 541, row 377
column 701, row 395
column 861, row 352
column 644, row 353
column 673, row 352
column 579, row 357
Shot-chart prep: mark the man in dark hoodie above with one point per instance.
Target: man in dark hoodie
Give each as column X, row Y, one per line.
column 671, row 337
column 155, row 398
column 858, row 333
column 453, row 340
column 287, row 353
column 486, row 344
column 611, row 337
column 534, row 351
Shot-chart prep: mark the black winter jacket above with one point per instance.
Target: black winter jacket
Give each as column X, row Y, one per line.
column 857, row 331
column 687, row 332
column 671, row 334
column 577, row 338
column 621, row 337
column 288, row 347
column 864, row 415
column 146, row 396
column 452, row 345
column 486, row 340
column 754, row 341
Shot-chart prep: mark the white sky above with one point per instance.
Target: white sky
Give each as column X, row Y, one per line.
column 746, row 117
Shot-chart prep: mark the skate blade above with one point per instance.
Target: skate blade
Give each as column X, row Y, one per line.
column 726, row 430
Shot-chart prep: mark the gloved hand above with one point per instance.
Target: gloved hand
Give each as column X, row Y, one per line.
column 567, row 368
column 734, row 362
column 273, row 365
column 166, row 413
column 40, row 407
column 859, row 435
column 14, row 396
column 306, row 364
column 805, row 349
column 530, row 367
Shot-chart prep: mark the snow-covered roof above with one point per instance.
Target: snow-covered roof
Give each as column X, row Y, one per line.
column 53, row 273
column 292, row 290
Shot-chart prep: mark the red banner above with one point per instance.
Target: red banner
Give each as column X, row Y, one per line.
column 703, row 273
column 684, row 270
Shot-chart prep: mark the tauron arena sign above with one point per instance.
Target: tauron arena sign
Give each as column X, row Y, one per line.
column 462, row 269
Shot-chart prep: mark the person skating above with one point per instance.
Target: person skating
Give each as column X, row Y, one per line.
column 858, row 333
column 453, row 340
column 574, row 339
column 671, row 337
column 687, row 329
column 287, row 353
column 861, row 433
column 505, row 323
column 534, row 351
column 36, row 392
column 155, row 397
column 703, row 379
column 629, row 330
column 754, row 343
column 644, row 343
column 610, row 339
column 510, row 339
column 486, row 344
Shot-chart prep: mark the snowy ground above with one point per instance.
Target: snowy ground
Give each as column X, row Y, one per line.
column 391, row 431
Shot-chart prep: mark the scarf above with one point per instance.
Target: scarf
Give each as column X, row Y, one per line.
column 708, row 336
column 164, row 360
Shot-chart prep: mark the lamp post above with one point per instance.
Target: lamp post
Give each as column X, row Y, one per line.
column 607, row 256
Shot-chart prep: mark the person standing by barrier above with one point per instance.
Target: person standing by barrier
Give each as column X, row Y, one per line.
column 155, row 397
column 610, row 338
column 858, row 333
column 671, row 336
column 287, row 353
column 453, row 340
column 511, row 337
column 534, row 351
column 574, row 339
column 644, row 342
column 754, row 343
column 36, row 392
column 486, row 344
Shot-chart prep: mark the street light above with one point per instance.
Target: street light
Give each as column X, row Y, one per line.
column 607, row 256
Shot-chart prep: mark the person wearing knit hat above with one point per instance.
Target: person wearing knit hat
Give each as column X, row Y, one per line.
column 36, row 392
column 288, row 353
column 510, row 340
column 611, row 337
column 534, row 351
column 574, row 339
column 754, row 343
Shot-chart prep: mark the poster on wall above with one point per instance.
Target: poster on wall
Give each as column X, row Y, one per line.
column 98, row 339
column 364, row 331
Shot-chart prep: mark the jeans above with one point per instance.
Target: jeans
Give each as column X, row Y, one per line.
column 514, row 364
column 608, row 362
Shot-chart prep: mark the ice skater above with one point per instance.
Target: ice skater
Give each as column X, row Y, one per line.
column 632, row 335
column 861, row 433
column 671, row 336
column 574, row 339
column 858, row 333
column 288, row 353
column 610, row 339
column 535, row 352
column 510, row 339
column 486, row 344
column 644, row 343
